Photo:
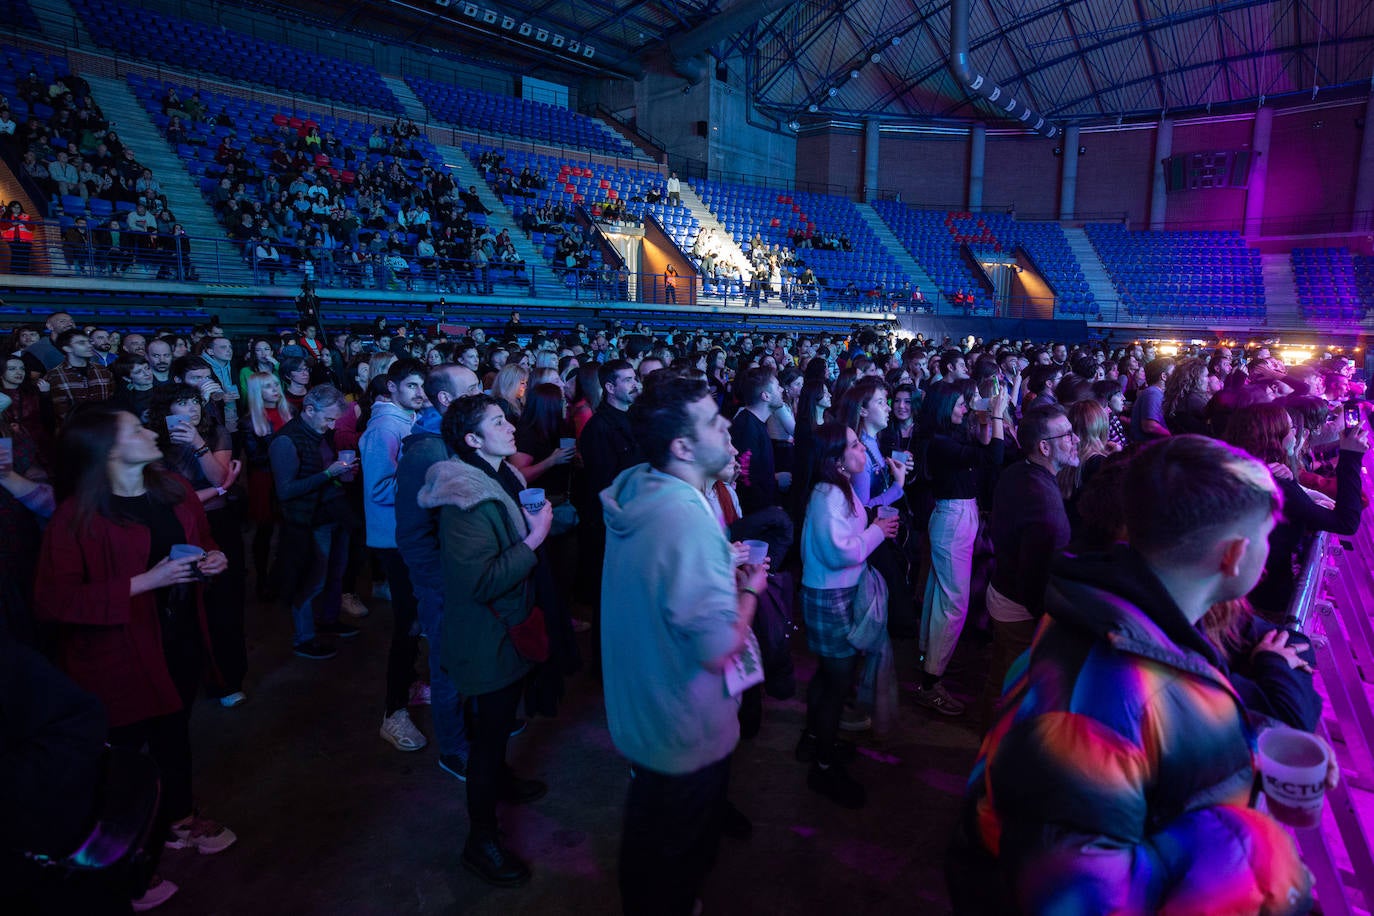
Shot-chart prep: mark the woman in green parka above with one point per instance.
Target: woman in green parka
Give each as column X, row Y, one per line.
column 488, row 545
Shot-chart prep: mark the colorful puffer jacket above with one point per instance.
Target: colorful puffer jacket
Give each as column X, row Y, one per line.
column 1119, row 778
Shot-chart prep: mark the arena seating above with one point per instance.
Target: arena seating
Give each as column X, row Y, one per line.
column 1181, row 274
column 933, row 238
column 1332, row 283
column 19, row 16
column 572, row 183
column 142, row 34
column 786, row 218
column 537, row 122
column 258, row 127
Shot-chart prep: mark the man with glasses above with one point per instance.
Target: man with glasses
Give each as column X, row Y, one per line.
column 1030, row 527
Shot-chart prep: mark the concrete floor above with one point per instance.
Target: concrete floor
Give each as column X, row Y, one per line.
column 331, row 819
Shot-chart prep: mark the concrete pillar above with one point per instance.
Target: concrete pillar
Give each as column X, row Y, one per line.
column 1363, row 203
column 1259, row 169
column 1164, row 148
column 1068, row 186
column 978, row 148
column 870, row 161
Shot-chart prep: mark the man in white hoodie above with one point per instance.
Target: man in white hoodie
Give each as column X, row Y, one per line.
column 380, row 448
column 675, row 612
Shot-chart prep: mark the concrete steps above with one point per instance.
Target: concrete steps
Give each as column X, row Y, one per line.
column 909, row 265
column 1280, row 291
column 466, row 174
column 60, row 23
column 139, row 133
column 1099, row 283
column 414, row 109
column 728, row 251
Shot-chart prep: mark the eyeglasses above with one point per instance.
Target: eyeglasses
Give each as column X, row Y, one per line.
column 1060, row 436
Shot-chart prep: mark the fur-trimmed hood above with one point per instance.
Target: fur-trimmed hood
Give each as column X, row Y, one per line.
column 456, row 483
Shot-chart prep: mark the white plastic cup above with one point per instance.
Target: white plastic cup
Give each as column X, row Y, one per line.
column 1293, row 775
column 347, row 456
column 532, row 499
column 567, row 443
column 758, row 552
column 186, row 552
column 888, row 512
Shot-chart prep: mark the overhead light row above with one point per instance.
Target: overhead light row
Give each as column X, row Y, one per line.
column 509, row 23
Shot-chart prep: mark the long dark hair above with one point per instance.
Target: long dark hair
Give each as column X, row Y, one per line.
column 826, row 455
column 542, row 417
column 83, row 460
column 937, row 408
column 812, row 391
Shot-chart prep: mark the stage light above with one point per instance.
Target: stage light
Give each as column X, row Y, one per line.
column 526, row 30
column 574, row 47
column 507, row 22
column 489, row 17
column 471, row 10
column 588, row 50
column 542, row 35
column 557, row 41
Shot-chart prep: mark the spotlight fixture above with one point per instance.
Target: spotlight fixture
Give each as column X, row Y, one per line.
column 526, row 30
column 813, row 108
column 588, row 51
column 853, row 74
column 574, row 47
column 832, row 92
column 876, row 57
column 795, row 125
column 490, row 17
column 896, row 40
column 557, row 41
column 542, row 36
column 471, row 10
column 507, row 22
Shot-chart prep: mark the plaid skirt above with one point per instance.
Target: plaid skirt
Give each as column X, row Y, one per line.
column 829, row 613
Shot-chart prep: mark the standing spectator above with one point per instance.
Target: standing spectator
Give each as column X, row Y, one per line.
column 607, row 446
column 1030, row 527
column 837, row 541
column 417, row 539
column 317, row 520
column 488, row 547
column 16, row 229
column 674, row 190
column 268, row 411
column 670, row 284
column 955, row 467
column 43, row 355
column 79, row 380
column 1147, row 413
column 1120, row 775
column 1186, row 394
column 199, row 449
column 391, row 421
column 677, row 611
column 78, row 247
column 132, row 620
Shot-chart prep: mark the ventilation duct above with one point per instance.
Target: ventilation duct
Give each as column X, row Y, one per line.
column 688, row 48
column 979, row 83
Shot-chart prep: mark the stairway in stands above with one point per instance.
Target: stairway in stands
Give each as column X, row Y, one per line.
column 501, row 218
column 1104, row 293
column 1280, row 291
column 919, row 278
column 733, row 254
column 60, row 23
column 121, row 107
column 415, row 109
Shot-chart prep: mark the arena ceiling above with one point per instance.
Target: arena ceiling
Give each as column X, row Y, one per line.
column 1088, row 61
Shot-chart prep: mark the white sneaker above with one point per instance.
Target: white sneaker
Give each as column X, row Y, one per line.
column 353, row 606
column 202, row 834
column 402, row 733
column 158, row 893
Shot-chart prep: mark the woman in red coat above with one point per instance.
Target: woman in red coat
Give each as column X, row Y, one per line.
column 132, row 629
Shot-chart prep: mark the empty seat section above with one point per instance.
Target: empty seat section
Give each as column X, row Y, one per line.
column 1332, row 283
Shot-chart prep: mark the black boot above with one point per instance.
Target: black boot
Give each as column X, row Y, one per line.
column 809, row 745
column 519, row 791
column 485, row 857
column 837, row 785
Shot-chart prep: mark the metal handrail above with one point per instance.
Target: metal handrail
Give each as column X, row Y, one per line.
column 1308, row 587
